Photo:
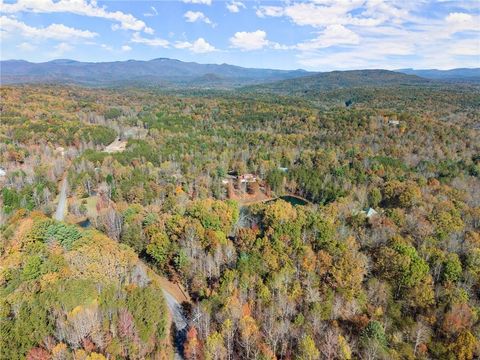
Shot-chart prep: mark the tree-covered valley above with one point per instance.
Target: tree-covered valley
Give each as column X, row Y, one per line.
column 300, row 221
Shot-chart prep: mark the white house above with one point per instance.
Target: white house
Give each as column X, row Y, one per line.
column 371, row 213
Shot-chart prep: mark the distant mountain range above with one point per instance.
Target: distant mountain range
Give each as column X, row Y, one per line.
column 461, row 74
column 175, row 73
column 162, row 71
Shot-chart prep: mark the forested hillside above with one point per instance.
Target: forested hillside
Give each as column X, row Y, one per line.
column 453, row 75
column 341, row 79
column 67, row 293
column 374, row 255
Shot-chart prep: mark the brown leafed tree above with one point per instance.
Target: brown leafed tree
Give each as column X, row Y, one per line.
column 193, row 347
column 38, row 353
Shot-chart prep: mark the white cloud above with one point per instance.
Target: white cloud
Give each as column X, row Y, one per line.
column 255, row 40
column 126, row 48
column 380, row 33
column 318, row 16
column 155, row 42
column 277, row 46
column 153, row 13
column 234, row 6
column 25, row 46
column 331, row 36
column 249, row 40
column 428, row 48
column 324, row 13
column 388, row 11
column 78, row 7
column 199, row 46
column 106, row 47
column 274, row 11
column 53, row 31
column 61, row 48
column 201, row 2
column 457, row 22
column 459, row 18
column 194, row 16
column 466, row 47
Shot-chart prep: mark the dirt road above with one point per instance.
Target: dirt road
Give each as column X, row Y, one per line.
column 62, row 201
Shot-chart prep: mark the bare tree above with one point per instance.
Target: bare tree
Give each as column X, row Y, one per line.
column 112, row 222
column 420, row 335
column 329, row 344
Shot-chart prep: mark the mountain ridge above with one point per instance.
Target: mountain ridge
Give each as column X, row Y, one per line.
column 156, row 71
column 457, row 74
column 176, row 73
column 313, row 85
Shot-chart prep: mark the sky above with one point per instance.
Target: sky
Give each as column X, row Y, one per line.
column 318, row 35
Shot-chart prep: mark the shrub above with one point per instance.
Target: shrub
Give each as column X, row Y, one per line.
column 32, row 268
column 452, row 268
column 65, row 234
column 374, row 331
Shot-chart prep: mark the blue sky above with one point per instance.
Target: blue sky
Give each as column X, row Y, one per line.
column 310, row 34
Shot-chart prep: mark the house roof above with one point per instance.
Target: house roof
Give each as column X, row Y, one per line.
column 371, row 212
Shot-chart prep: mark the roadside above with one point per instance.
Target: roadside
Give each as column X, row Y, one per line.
column 174, row 297
column 62, row 201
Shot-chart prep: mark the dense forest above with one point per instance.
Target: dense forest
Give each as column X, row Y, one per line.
column 378, row 257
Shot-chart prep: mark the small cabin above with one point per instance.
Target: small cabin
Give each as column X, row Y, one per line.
column 247, row 178
column 371, row 213
column 3, row 172
column 394, row 122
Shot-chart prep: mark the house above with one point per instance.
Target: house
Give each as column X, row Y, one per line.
column 394, row 122
column 284, row 169
column 247, row 178
column 2, row 172
column 371, row 213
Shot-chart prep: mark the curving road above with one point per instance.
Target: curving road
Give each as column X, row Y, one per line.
column 176, row 311
column 180, row 323
column 62, row 201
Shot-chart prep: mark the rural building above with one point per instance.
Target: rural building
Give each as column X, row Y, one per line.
column 371, row 213
column 247, row 178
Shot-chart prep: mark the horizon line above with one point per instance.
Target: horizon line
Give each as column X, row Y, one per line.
column 220, row 64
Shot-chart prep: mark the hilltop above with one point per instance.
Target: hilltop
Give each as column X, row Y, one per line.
column 322, row 82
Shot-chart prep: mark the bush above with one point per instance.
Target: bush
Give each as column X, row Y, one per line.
column 112, row 113
column 374, row 331
column 452, row 268
column 32, row 268
column 65, row 234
